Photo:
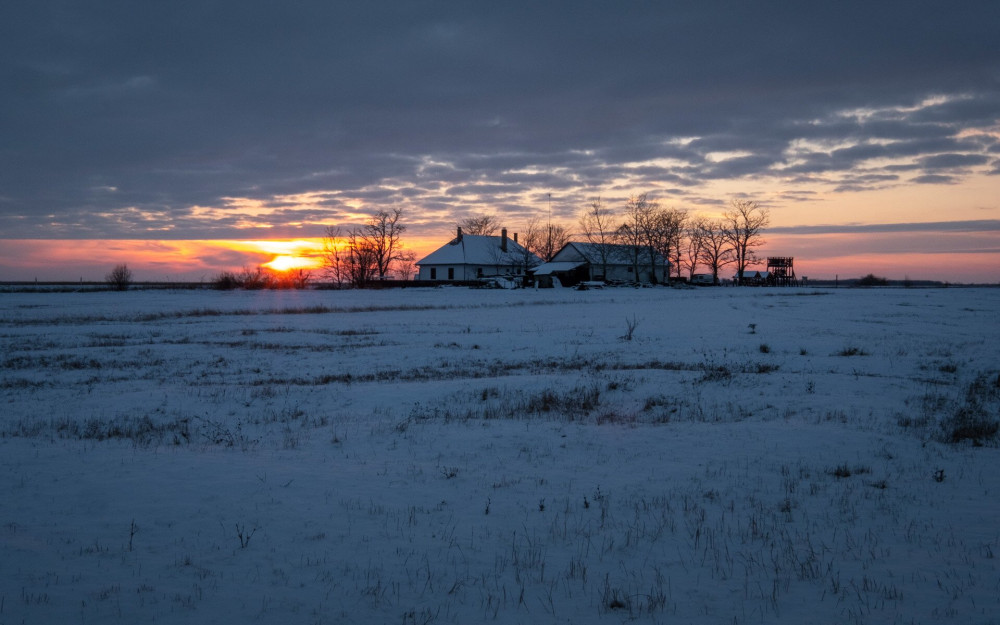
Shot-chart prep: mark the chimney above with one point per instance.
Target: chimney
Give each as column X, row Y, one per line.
column 458, row 239
column 503, row 239
column 515, row 237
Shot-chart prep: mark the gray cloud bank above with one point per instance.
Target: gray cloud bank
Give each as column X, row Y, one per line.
column 972, row 225
column 121, row 119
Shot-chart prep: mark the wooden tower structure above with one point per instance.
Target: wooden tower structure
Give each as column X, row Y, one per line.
column 781, row 271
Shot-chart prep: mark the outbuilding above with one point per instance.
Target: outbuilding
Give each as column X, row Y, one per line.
column 579, row 262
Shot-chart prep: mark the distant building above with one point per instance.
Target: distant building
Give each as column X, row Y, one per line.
column 755, row 277
column 780, row 272
column 471, row 257
column 579, row 262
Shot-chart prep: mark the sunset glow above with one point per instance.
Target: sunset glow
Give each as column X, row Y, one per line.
column 90, row 259
column 943, row 256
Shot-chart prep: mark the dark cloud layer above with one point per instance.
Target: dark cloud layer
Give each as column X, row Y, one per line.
column 120, row 119
column 972, row 225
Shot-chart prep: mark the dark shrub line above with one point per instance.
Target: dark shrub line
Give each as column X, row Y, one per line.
column 494, row 369
column 301, row 310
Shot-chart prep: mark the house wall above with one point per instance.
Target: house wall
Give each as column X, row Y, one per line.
column 441, row 272
column 619, row 272
column 624, row 273
column 466, row 272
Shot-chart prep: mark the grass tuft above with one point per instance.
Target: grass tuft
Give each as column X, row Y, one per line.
column 852, row 351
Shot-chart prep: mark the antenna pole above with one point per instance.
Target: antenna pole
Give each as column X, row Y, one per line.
column 548, row 229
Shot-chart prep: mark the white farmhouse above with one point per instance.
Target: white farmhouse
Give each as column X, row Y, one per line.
column 471, row 257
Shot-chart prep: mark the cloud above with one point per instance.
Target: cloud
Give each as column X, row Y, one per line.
column 435, row 105
column 935, row 179
column 978, row 225
column 953, row 161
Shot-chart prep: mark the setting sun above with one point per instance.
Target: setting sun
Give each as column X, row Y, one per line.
column 287, row 263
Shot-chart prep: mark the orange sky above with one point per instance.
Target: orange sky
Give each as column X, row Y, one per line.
column 829, row 234
column 823, row 256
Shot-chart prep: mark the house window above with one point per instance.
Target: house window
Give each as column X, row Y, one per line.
column 434, row 273
column 451, row 273
column 479, row 272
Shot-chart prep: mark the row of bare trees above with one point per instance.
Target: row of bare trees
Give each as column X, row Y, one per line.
column 649, row 234
column 367, row 252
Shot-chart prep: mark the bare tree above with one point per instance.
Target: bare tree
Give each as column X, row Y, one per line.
column 335, row 257
column 743, row 224
column 597, row 223
column 406, row 266
column 631, row 233
column 556, row 237
column 631, row 242
column 119, row 278
column 715, row 253
column 254, row 278
column 364, row 252
column 526, row 253
column 486, row 225
column 348, row 259
column 531, row 237
column 544, row 240
column 362, row 258
column 664, row 233
column 636, row 233
column 381, row 236
column 691, row 249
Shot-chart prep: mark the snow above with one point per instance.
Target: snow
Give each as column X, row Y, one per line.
column 461, row 456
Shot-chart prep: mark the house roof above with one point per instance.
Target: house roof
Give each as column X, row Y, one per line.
column 473, row 249
column 555, row 267
column 617, row 254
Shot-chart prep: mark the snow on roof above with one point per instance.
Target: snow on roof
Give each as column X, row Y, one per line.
column 591, row 252
column 473, row 249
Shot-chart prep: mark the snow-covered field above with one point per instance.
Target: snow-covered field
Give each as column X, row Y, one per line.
column 462, row 456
